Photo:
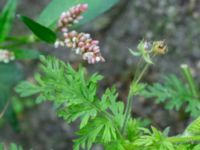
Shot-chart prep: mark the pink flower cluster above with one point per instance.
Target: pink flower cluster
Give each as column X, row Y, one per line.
column 84, row 45
column 81, row 43
column 6, row 56
column 67, row 19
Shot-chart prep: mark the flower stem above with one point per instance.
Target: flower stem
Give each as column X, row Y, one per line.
column 13, row 42
column 127, row 112
column 142, row 73
column 130, row 96
column 188, row 75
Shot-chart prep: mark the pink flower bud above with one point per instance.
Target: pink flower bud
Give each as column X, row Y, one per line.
column 95, row 42
column 84, row 7
column 72, row 16
column 81, row 43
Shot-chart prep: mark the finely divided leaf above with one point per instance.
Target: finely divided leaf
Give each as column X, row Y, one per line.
column 175, row 93
column 75, row 98
column 27, row 89
column 194, row 127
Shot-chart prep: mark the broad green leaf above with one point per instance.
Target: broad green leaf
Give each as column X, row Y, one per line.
column 6, row 18
column 52, row 12
column 26, row 53
column 39, row 30
column 10, row 74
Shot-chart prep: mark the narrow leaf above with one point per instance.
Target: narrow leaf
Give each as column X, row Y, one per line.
column 39, row 30
column 52, row 12
column 6, row 18
column 134, row 53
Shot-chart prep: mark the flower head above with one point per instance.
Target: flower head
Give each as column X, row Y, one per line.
column 6, row 56
column 159, row 47
column 148, row 49
column 81, row 43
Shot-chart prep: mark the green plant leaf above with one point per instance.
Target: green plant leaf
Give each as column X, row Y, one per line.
column 12, row 146
column 39, row 30
column 147, row 58
column 197, row 147
column 31, row 89
column 10, row 74
column 175, row 94
column 75, row 97
column 194, row 127
column 52, row 12
column 26, row 54
column 6, row 18
column 134, row 53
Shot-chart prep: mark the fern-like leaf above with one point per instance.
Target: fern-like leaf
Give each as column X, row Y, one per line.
column 194, row 127
column 175, row 94
column 75, row 97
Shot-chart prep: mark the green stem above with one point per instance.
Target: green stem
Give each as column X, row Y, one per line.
column 130, row 100
column 176, row 139
column 188, row 75
column 127, row 112
column 13, row 45
column 18, row 38
column 13, row 42
column 142, row 73
column 138, row 67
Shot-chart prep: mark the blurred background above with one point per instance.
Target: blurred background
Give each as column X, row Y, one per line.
column 122, row 27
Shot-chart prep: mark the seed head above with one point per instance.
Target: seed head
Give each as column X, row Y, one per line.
column 159, row 47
